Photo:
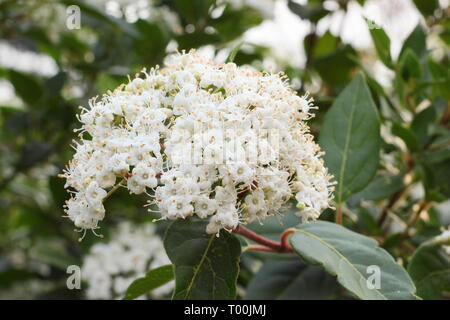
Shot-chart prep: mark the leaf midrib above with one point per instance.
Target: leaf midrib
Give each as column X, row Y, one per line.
column 338, row 254
column 346, row 146
column 198, row 267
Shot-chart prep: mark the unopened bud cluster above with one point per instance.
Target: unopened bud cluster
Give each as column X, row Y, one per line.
column 219, row 116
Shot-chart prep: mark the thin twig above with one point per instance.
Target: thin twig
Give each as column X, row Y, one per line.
column 339, row 214
column 258, row 247
column 422, row 206
column 117, row 186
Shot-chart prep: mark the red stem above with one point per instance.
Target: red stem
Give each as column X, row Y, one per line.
column 259, row 248
column 267, row 244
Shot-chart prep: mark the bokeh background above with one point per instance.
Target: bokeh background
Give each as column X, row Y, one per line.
column 47, row 70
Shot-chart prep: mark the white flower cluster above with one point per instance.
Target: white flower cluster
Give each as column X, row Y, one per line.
column 111, row 267
column 199, row 138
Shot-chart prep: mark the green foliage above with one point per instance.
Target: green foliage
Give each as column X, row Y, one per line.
column 416, row 41
column 388, row 185
column 430, row 269
column 350, row 136
column 291, row 279
column 426, row 7
column 206, row 266
column 152, row 280
column 407, row 135
column 349, row 255
column 311, row 11
column 26, row 86
column 382, row 45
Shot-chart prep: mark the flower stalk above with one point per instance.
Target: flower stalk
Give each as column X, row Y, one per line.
column 265, row 244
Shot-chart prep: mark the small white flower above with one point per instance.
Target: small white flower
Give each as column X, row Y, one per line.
column 179, row 207
column 145, row 176
column 205, row 207
column 106, row 178
column 134, row 185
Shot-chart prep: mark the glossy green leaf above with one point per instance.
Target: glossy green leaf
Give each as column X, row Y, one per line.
column 416, row 41
column 350, row 136
column 430, row 269
column 153, row 279
column 291, row 279
column 206, row 266
column 353, row 258
column 382, row 45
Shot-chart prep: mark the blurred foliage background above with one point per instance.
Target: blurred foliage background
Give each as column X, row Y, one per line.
column 406, row 204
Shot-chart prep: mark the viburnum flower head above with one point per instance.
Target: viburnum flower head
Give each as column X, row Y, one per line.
column 216, row 141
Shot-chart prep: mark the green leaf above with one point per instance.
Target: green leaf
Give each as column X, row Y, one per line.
column 426, row 7
column 153, row 279
column 430, row 269
column 382, row 45
column 233, row 23
column 367, row 223
column 340, row 62
column 58, row 192
column 410, row 65
column 274, row 226
column 194, row 10
column 55, row 84
column 150, row 51
column 407, row 135
column 435, row 180
column 436, row 156
column 441, row 77
column 323, row 45
column 416, row 41
column 206, row 266
column 234, row 52
column 421, row 124
column 381, row 187
column 26, row 86
column 350, row 136
column 311, row 12
column 349, row 256
column 291, row 279
column 11, row 276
